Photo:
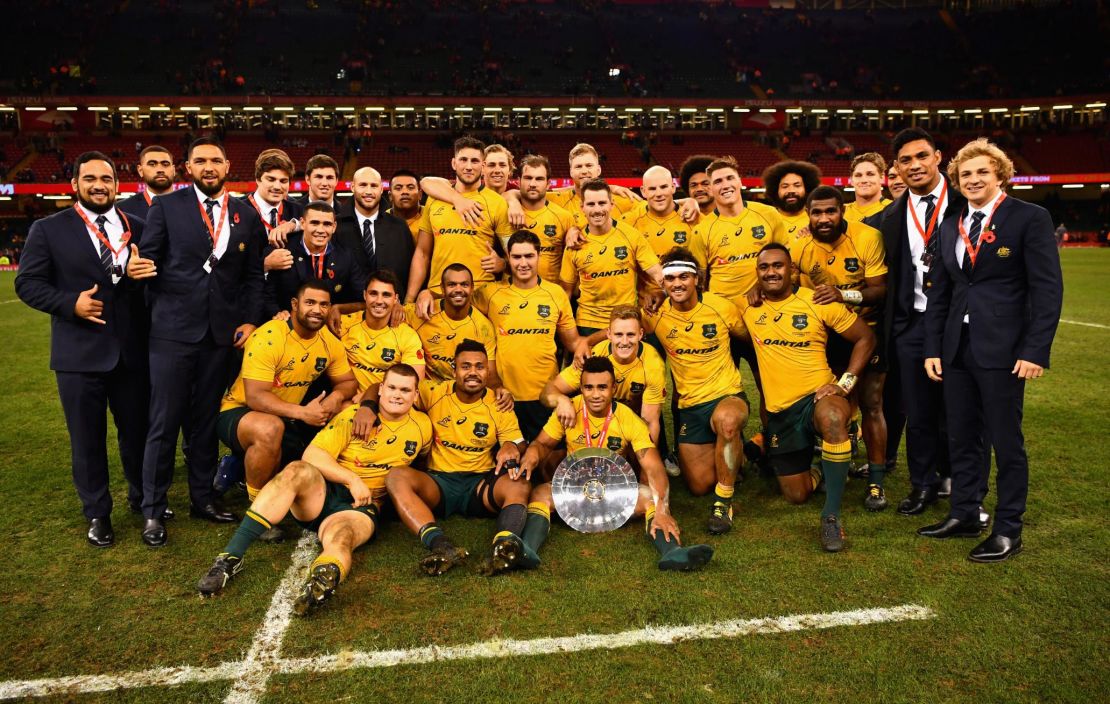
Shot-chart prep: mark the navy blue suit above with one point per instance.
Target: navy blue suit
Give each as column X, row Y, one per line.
column 341, row 273
column 97, row 366
column 194, row 315
column 1012, row 297
column 136, row 205
column 290, row 209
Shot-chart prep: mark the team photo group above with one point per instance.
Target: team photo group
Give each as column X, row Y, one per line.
column 427, row 347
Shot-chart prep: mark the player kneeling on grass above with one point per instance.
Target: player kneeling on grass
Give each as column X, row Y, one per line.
column 464, row 476
column 337, row 489
column 599, row 421
column 803, row 398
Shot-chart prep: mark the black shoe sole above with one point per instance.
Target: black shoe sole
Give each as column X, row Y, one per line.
column 981, row 561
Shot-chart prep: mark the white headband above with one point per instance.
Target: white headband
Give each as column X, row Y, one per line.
column 674, row 268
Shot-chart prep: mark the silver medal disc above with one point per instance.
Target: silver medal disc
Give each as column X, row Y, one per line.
column 594, row 490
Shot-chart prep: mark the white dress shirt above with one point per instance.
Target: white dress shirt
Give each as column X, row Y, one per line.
column 961, row 248
column 114, row 227
column 264, row 208
column 373, row 226
column 217, row 214
column 917, row 243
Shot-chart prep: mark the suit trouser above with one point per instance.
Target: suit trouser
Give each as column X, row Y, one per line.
column 86, row 398
column 187, row 381
column 893, row 412
column 986, row 403
column 923, row 402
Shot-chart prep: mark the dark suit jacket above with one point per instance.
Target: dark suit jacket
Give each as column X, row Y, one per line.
column 392, row 238
column 898, row 303
column 59, row 262
column 187, row 302
column 290, row 208
column 338, row 202
column 345, row 278
column 1013, row 296
column 135, row 205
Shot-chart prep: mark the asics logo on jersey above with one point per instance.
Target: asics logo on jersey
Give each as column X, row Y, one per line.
column 460, row 421
column 391, row 440
column 689, row 327
column 452, row 336
column 522, row 306
column 602, row 250
column 304, row 358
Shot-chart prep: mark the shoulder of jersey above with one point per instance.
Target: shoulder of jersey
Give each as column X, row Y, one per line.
column 715, row 301
column 763, row 209
column 273, row 327
column 858, row 227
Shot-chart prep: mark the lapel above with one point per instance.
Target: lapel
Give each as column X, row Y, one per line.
column 82, row 232
column 896, row 231
column 988, row 250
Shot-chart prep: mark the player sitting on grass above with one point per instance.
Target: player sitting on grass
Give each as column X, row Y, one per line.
column 337, row 489
column 463, row 474
column 599, row 421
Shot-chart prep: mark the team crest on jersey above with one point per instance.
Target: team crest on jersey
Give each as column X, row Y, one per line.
column 851, row 264
column 321, row 364
column 388, row 354
column 801, row 321
column 636, row 388
column 614, row 444
column 410, row 447
column 709, row 330
column 434, row 338
column 544, row 311
column 620, row 252
column 549, row 230
column 680, row 237
column 504, row 310
column 762, row 319
column 481, row 430
column 672, row 334
column 759, row 232
column 445, row 421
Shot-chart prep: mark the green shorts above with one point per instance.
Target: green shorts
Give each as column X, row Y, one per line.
column 338, row 498
column 584, row 331
column 838, row 352
column 296, row 436
column 792, row 436
column 463, row 493
column 693, row 423
column 531, row 416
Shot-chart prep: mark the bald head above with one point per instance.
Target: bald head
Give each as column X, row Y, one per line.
column 658, row 190
column 366, row 186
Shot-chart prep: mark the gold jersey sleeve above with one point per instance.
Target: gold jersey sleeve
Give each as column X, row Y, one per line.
column 372, row 352
column 626, row 430
column 391, row 444
column 465, row 433
column 550, row 224
column 790, row 338
column 525, row 322
column 643, row 380
column 455, row 240
column 662, row 234
column 440, row 335
column 607, row 270
column 732, row 245
column 854, row 213
column 857, row 255
column 277, row 355
column 697, row 345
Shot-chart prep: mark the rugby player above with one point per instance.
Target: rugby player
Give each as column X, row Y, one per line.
column 404, row 194
column 322, row 174
column 845, row 262
column 273, row 169
column 695, row 182
column 894, row 182
column 337, row 490
column 694, row 329
column 448, row 234
column 372, row 345
column 788, row 184
column 658, row 219
column 157, row 171
column 804, row 399
column 867, row 180
column 549, row 222
column 599, row 421
column 497, row 168
column 609, row 265
column 464, row 475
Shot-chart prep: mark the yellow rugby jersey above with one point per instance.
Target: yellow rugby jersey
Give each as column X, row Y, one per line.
column 854, row 213
column 644, row 380
column 569, row 200
column 626, row 430
column 465, row 433
column 550, row 223
column 697, row 344
column 790, row 338
column 440, row 335
column 795, row 225
column 606, row 268
column 855, row 256
column 413, row 222
column 526, row 321
column 372, row 352
column 664, row 234
column 276, row 354
column 392, row 443
column 453, row 240
column 732, row 245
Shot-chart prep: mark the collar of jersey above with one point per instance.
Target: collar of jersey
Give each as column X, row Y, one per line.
column 300, row 340
column 458, row 402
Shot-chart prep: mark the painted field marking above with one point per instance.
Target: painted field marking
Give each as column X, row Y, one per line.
column 1087, row 325
column 253, row 672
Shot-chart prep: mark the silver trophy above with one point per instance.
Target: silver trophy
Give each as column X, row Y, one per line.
column 595, row 490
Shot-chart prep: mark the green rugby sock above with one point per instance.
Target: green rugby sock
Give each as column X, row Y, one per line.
column 876, row 472
column 835, row 460
column 659, row 538
column 432, row 535
column 536, row 528
column 253, row 525
column 511, row 519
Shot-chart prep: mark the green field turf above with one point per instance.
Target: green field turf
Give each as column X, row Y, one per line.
column 1034, row 629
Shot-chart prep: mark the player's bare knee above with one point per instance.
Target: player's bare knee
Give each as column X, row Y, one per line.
column 267, row 432
column 701, row 485
column 542, row 494
column 795, row 492
column 296, row 473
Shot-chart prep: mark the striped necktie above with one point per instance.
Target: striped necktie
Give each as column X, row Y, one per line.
column 973, row 238
column 106, row 260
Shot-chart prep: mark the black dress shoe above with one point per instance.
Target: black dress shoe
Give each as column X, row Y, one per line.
column 951, row 528
column 100, row 532
column 154, row 533
column 918, row 501
column 995, row 549
column 210, row 512
column 167, row 515
column 944, row 488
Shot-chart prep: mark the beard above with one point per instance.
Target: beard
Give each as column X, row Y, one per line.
column 210, row 190
column 95, row 207
column 792, row 207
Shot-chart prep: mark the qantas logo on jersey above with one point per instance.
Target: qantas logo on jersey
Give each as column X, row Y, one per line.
column 784, row 343
column 604, row 274
column 732, row 259
column 457, row 231
column 443, row 358
column 523, row 331
column 460, row 448
column 707, row 350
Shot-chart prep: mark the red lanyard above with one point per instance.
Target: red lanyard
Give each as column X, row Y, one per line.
column 265, row 222
column 214, row 235
column 147, row 198
column 927, row 234
column 124, row 240
column 318, row 263
column 604, row 428
column 984, row 236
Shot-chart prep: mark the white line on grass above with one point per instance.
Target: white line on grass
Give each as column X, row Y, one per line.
column 252, row 675
column 1088, row 325
column 14, row 300
column 264, row 656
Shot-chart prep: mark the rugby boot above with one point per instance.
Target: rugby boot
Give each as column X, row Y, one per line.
column 720, row 518
column 321, row 584
column 223, row 569
column 832, row 535
column 875, row 499
column 443, row 558
column 685, row 559
column 505, row 554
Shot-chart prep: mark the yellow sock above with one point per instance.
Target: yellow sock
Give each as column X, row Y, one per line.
column 724, row 493
column 540, row 508
column 815, row 476
column 648, row 515
column 252, row 493
column 502, row 534
column 258, row 517
column 836, row 452
column 329, row 560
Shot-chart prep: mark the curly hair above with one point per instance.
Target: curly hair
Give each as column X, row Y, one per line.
column 775, row 173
